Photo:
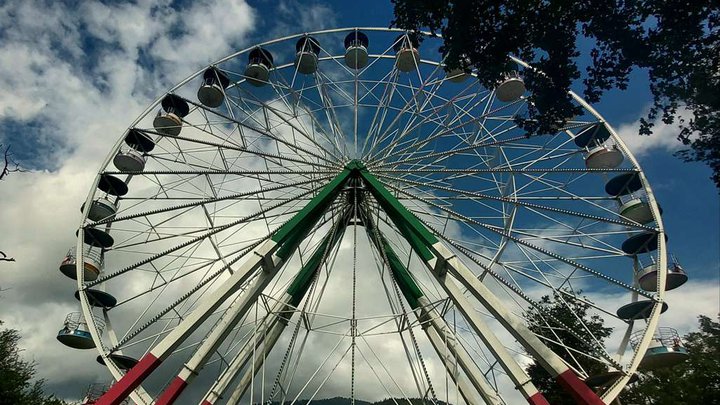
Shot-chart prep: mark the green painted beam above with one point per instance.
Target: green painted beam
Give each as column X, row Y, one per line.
column 419, row 237
column 302, row 281
column 290, row 235
column 294, row 231
column 408, row 287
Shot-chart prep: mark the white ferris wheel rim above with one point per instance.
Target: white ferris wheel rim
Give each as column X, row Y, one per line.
column 87, row 309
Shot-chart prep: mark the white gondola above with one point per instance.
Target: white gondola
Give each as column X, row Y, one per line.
column 634, row 205
column 98, row 298
column 599, row 151
column 93, row 262
column 665, row 350
column 139, row 140
column 407, row 55
column 75, row 332
column 101, row 208
column 356, row 50
column 639, row 310
column 307, row 50
column 129, row 160
column 604, row 157
column 120, row 360
column 607, row 378
column 112, row 185
column 260, row 61
column 212, row 90
column 169, row 119
column 675, row 277
column 95, row 236
column 643, row 242
column 510, row 88
column 636, row 210
column 460, row 74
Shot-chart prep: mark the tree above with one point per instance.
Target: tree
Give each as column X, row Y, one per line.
column 9, row 166
column 676, row 41
column 16, row 375
column 696, row 381
column 553, row 320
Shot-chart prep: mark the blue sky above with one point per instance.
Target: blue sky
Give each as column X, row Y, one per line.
column 75, row 75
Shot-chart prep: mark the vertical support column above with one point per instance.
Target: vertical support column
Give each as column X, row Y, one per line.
column 148, row 363
column 440, row 260
column 439, row 327
column 219, row 332
column 220, row 386
column 260, row 355
column 548, row 359
column 269, row 255
column 273, row 326
column 516, row 373
column 433, row 324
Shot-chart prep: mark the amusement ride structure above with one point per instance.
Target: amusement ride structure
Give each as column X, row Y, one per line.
column 335, row 214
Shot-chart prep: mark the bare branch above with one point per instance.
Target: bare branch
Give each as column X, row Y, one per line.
column 4, row 257
column 9, row 164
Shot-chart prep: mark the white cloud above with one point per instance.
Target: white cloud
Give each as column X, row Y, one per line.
column 82, row 76
column 664, row 137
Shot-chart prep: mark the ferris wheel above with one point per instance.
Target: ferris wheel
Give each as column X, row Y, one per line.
column 335, row 214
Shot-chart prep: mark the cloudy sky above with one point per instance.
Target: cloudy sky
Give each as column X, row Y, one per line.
column 76, row 74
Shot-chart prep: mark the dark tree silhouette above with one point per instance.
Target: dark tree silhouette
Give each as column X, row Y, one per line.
column 677, row 42
column 9, row 166
column 16, row 375
column 552, row 321
column 696, row 381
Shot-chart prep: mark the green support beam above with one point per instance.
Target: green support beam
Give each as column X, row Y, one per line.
column 419, row 237
column 434, row 326
column 304, row 278
column 408, row 287
column 289, row 236
column 427, row 246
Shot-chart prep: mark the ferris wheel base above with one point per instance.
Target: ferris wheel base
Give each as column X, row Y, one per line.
column 538, row 399
column 172, row 392
column 121, row 389
column 582, row 394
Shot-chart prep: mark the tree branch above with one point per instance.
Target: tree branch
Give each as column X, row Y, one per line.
column 9, row 164
column 4, row 257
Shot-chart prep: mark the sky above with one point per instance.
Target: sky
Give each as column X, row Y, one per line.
column 76, row 74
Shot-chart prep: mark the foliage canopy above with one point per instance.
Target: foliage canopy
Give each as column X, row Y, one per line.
column 16, row 375
column 695, row 381
column 553, row 320
column 676, row 41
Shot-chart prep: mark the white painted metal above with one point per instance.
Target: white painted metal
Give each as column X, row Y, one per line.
column 268, row 342
column 442, row 339
column 440, row 344
column 264, row 329
column 230, row 318
column 513, row 324
column 516, row 373
column 258, row 258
